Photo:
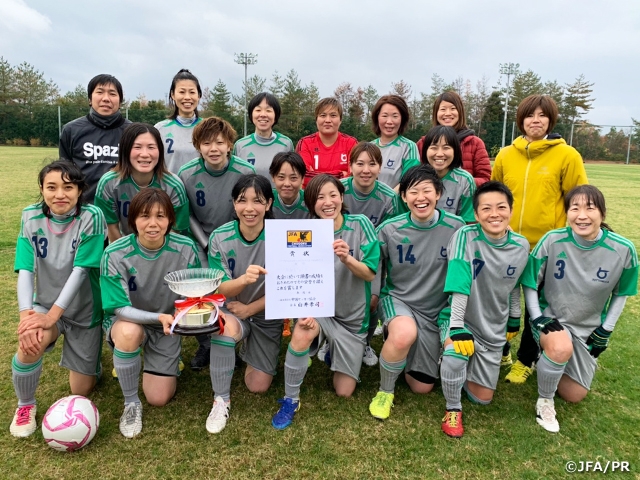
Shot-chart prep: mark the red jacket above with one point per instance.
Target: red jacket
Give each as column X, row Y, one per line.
column 319, row 158
column 475, row 158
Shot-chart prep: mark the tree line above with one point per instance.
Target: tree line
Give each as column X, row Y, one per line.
column 29, row 113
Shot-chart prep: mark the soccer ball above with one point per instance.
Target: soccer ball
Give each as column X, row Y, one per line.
column 70, row 423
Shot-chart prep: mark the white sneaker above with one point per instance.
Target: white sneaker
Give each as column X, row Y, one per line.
column 24, row 421
column 131, row 420
column 378, row 331
column 217, row 419
column 369, row 358
column 546, row 415
column 322, row 351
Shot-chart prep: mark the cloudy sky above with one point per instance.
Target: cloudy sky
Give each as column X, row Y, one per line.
column 145, row 42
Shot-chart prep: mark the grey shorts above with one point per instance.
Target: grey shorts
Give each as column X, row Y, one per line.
column 81, row 347
column 484, row 366
column 346, row 347
column 581, row 367
column 161, row 352
column 262, row 344
column 424, row 354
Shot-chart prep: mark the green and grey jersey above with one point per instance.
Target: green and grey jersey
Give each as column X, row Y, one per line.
column 397, row 157
column 178, row 146
column 579, row 281
column 133, row 276
column 259, row 151
column 353, row 295
column 114, row 195
column 209, row 191
column 50, row 249
column 416, row 261
column 297, row 210
column 380, row 204
column 486, row 272
column 231, row 253
column 457, row 198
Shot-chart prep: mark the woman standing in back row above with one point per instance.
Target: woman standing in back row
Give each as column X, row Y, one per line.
column 540, row 169
column 448, row 110
column 176, row 131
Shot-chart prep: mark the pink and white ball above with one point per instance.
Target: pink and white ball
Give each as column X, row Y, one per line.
column 70, row 423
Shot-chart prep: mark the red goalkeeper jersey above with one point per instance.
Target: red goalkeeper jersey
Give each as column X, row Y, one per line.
column 319, row 158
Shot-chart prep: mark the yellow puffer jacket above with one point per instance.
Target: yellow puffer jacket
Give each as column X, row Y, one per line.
column 539, row 174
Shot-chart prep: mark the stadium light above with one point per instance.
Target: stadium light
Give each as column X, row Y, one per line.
column 245, row 59
column 507, row 69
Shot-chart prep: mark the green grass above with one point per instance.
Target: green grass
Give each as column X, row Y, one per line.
column 331, row 437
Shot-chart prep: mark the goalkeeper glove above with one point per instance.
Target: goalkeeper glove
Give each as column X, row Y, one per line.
column 598, row 341
column 462, row 341
column 513, row 328
column 545, row 324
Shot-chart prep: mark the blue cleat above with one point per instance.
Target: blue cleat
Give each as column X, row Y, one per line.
column 284, row 417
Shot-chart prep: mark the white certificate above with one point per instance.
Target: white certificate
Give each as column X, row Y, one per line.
column 300, row 275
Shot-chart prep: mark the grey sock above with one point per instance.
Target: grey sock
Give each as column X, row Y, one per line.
column 223, row 362
column 295, row 368
column 453, row 373
column 389, row 373
column 26, row 377
column 549, row 375
column 128, row 366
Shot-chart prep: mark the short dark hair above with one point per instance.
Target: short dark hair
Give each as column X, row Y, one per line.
column 312, row 192
column 127, row 140
column 492, row 186
column 261, row 185
column 326, row 103
column 183, row 74
column 592, row 195
column 143, row 202
column 105, row 79
column 292, row 158
column 370, row 148
column 419, row 174
column 272, row 101
column 450, row 97
column 70, row 173
column 529, row 105
column 398, row 102
column 434, row 135
column 208, row 130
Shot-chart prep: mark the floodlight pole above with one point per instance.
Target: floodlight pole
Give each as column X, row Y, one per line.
column 507, row 69
column 245, row 59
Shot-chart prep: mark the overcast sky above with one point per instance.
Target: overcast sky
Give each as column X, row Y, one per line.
column 145, row 42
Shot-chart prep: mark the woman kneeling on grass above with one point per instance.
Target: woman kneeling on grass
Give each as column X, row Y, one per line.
column 355, row 262
column 60, row 243
column 237, row 248
column 588, row 272
column 140, row 305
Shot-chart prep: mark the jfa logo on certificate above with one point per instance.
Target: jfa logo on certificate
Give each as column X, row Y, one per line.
column 299, row 238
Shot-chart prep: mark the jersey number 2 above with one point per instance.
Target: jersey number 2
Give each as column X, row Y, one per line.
column 169, row 142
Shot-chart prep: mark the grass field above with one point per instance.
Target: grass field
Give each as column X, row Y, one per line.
column 330, row 437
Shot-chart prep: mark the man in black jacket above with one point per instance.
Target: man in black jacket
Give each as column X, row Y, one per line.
column 91, row 142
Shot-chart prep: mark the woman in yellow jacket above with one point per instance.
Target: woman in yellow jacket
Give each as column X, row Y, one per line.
column 539, row 168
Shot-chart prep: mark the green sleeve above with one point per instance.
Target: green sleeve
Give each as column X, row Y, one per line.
column 628, row 283
column 458, row 278
column 107, row 204
column 465, row 209
column 370, row 249
column 407, row 163
column 533, row 272
column 24, row 255
column 182, row 217
column 113, row 293
column 89, row 251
